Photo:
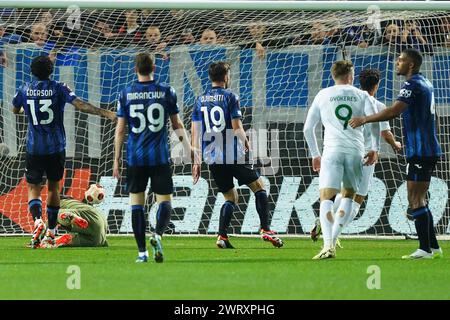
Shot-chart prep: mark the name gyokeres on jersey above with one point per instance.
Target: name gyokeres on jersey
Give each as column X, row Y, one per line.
column 225, row 309
column 343, row 99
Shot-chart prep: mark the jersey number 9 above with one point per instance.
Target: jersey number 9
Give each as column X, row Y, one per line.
column 344, row 116
column 156, row 122
column 432, row 105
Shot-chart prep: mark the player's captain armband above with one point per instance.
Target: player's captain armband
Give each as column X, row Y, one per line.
column 405, row 93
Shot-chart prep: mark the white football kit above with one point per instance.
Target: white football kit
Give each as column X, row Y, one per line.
column 368, row 171
column 344, row 147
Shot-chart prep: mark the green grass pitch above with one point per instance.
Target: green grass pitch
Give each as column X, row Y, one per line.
column 195, row 269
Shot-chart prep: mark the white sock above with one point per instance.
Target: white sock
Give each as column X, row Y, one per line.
column 326, row 214
column 337, row 202
column 355, row 210
column 339, row 219
column 353, row 213
column 157, row 237
column 143, row 254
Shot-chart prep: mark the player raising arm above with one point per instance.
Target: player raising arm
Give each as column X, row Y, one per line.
column 216, row 120
column 343, row 151
column 415, row 103
column 43, row 101
column 146, row 107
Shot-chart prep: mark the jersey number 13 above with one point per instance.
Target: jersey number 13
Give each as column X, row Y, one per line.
column 44, row 107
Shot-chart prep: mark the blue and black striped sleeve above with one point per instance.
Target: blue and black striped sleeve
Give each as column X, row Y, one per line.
column 67, row 94
column 17, row 101
column 407, row 94
column 234, row 107
column 196, row 115
column 120, row 105
column 172, row 99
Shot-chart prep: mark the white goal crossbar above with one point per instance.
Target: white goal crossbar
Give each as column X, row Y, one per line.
column 235, row 5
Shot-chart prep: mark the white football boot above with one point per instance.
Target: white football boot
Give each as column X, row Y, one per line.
column 325, row 253
column 418, row 254
column 437, row 253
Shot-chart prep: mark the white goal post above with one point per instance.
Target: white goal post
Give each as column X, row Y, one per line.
column 233, row 4
column 280, row 54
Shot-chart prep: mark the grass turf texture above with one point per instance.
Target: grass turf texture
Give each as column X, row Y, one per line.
column 195, row 269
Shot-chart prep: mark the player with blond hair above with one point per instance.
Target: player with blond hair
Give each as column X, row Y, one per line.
column 369, row 80
column 341, row 163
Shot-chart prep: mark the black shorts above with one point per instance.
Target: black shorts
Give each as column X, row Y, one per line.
column 160, row 179
column 420, row 169
column 52, row 165
column 223, row 175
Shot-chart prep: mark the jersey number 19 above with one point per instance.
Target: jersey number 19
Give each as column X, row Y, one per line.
column 218, row 123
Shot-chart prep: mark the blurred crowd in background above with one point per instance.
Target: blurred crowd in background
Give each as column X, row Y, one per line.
column 159, row 30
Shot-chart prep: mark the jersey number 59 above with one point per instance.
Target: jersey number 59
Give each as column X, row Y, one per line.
column 156, row 121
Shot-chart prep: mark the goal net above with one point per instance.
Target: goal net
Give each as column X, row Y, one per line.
column 279, row 61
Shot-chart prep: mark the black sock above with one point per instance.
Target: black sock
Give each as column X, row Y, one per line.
column 52, row 214
column 262, row 206
column 226, row 212
column 163, row 217
column 35, row 208
column 409, row 215
column 433, row 241
column 422, row 222
column 138, row 224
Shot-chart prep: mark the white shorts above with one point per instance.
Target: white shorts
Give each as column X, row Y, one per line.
column 367, row 175
column 340, row 169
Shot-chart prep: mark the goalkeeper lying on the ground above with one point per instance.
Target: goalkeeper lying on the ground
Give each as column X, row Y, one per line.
column 85, row 224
